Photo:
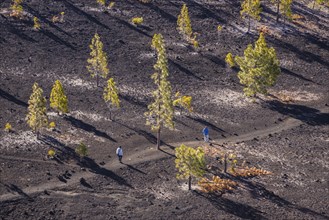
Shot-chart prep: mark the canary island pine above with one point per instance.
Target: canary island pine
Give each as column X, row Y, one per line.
column 16, row 8
column 183, row 101
column 229, row 59
column 37, row 113
column 8, row 127
column 161, row 111
column 36, row 24
column 58, row 99
column 110, row 94
column 250, row 9
column 259, row 67
column 185, row 28
column 189, row 162
column 81, row 150
column 137, row 20
column 286, row 9
column 97, row 64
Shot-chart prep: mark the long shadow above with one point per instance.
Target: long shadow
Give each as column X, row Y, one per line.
column 215, row 59
column 56, row 38
column 95, row 168
column 308, row 115
column 133, row 100
column 206, row 123
column 258, row 191
column 77, row 10
column 130, row 26
column 235, row 208
column 183, row 69
column 147, row 135
column 288, row 72
column 164, row 14
column 6, row 95
column 134, row 168
column 14, row 188
column 19, row 33
column 87, row 127
column 44, row 19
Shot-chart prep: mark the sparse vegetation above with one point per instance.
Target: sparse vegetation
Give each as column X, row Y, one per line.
column 229, row 59
column 110, row 95
column 101, row 2
column 16, row 8
column 259, row 67
column 216, row 185
column 52, row 125
column 58, row 99
column 190, row 163
column 185, row 28
column 37, row 112
column 8, row 127
column 97, row 64
column 36, row 24
column 183, row 101
column 81, row 150
column 250, row 9
column 51, row 153
column 111, row 5
column 58, row 18
column 161, row 111
column 137, row 20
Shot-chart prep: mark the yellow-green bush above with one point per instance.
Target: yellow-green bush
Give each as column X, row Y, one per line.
column 137, row 20
column 8, row 127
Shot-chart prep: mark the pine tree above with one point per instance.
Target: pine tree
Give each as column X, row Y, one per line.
column 98, row 61
column 185, row 27
column 229, row 59
column 184, row 101
column 161, row 111
column 58, row 99
column 189, row 162
column 111, row 94
column 286, row 9
column 259, row 68
column 251, row 9
column 37, row 115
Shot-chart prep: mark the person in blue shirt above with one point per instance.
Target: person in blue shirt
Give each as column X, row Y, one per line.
column 205, row 133
column 119, row 153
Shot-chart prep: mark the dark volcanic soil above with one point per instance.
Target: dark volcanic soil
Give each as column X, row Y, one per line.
column 290, row 139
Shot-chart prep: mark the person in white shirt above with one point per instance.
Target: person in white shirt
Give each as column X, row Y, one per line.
column 119, row 152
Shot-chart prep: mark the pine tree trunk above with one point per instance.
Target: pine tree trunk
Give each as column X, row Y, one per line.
column 313, row 4
column 158, row 139
column 97, row 80
column 189, row 182
column 110, row 115
column 248, row 24
column 225, row 163
column 38, row 135
column 277, row 12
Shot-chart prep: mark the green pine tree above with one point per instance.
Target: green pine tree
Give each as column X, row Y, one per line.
column 161, row 111
column 251, row 9
column 37, row 113
column 111, row 94
column 259, row 67
column 286, row 9
column 97, row 64
column 190, row 162
column 58, row 99
column 229, row 59
column 81, row 150
column 185, row 28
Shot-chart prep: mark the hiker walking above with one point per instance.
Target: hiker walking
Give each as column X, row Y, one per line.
column 119, row 152
column 205, row 133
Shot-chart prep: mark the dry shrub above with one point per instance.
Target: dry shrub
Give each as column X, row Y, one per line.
column 264, row 29
column 250, row 172
column 296, row 18
column 284, row 97
column 216, row 185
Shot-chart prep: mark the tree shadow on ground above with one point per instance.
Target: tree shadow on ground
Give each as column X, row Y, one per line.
column 130, row 26
column 288, row 72
column 235, row 208
column 134, row 168
column 11, row 98
column 77, row 10
column 87, row 127
column 147, row 135
column 308, row 115
column 95, row 168
column 206, row 123
column 133, row 100
column 16, row 189
column 161, row 12
column 258, row 191
column 183, row 69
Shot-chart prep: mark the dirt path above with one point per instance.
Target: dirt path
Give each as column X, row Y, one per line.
column 149, row 154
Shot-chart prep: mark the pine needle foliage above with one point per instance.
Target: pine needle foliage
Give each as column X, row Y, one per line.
column 101, row 2
column 250, row 172
column 97, row 64
column 58, row 99
column 259, row 67
column 185, row 28
column 36, row 24
column 189, row 162
column 161, row 111
column 183, row 101
column 16, row 8
column 250, row 9
column 37, row 112
column 81, row 150
column 216, row 185
column 137, row 20
column 8, row 127
column 286, row 9
column 229, row 59
column 110, row 94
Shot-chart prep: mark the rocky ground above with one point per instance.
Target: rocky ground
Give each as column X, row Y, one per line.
column 290, row 139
